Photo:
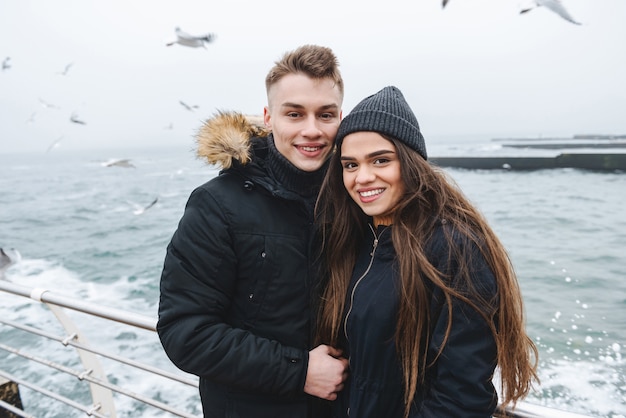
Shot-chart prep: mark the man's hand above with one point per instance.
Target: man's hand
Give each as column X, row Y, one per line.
column 326, row 372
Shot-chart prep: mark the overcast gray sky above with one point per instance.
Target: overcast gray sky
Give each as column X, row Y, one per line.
column 477, row 67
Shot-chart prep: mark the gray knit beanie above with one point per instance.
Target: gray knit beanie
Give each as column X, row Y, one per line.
column 387, row 113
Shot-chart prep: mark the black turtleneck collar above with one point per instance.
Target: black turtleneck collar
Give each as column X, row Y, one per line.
column 304, row 183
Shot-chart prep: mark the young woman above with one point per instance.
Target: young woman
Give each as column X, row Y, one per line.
column 420, row 295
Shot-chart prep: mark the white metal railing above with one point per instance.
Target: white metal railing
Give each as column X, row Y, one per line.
column 101, row 389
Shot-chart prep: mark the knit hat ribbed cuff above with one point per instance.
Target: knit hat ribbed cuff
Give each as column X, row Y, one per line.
column 387, row 113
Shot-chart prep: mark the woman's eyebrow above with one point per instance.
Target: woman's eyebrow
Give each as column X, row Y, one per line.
column 370, row 155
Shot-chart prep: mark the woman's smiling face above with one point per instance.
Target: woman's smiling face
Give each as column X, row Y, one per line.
column 371, row 174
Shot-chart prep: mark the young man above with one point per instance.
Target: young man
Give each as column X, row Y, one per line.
column 237, row 282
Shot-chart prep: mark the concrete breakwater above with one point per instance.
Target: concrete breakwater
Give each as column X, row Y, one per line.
column 592, row 161
column 587, row 152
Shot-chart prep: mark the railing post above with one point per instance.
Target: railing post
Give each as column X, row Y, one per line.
column 9, row 394
column 102, row 397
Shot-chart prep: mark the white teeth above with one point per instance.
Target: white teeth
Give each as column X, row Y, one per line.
column 310, row 149
column 370, row 193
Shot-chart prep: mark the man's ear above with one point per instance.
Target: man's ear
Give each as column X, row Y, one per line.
column 267, row 118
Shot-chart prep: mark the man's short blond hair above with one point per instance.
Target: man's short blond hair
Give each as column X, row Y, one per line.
column 316, row 62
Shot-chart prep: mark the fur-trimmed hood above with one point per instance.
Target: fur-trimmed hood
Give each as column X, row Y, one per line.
column 225, row 137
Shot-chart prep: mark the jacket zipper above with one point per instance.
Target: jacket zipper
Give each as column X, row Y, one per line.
column 345, row 321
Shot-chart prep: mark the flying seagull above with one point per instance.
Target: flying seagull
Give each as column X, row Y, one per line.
column 48, row 105
column 186, row 106
column 7, row 259
column 555, row 5
column 6, row 64
column 32, row 118
column 54, row 144
column 74, row 118
column 139, row 210
column 67, row 68
column 119, row 163
column 185, row 39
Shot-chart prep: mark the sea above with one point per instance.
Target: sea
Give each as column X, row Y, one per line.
column 81, row 229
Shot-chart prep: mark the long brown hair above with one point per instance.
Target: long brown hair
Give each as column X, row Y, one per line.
column 431, row 197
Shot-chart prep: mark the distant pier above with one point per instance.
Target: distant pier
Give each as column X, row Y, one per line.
column 610, row 158
column 595, row 162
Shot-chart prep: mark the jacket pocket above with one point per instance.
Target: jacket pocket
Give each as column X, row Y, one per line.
column 255, row 272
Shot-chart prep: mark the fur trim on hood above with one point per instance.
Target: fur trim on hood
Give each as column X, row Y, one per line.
column 226, row 136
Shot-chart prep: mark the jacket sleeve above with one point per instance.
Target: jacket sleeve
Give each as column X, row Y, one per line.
column 459, row 384
column 197, row 286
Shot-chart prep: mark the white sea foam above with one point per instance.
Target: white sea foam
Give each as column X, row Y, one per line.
column 137, row 344
column 586, row 387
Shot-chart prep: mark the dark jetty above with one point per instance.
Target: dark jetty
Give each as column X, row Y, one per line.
column 595, row 162
column 600, row 161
